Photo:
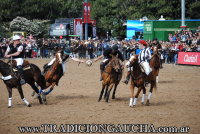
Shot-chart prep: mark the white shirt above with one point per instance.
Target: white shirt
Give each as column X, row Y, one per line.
column 144, row 55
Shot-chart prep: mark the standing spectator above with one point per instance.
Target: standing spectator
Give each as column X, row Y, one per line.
column 90, row 48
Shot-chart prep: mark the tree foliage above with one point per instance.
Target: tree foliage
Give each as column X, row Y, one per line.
column 110, row 14
column 34, row 27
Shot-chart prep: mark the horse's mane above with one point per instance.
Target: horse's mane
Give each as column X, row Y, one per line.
column 155, row 61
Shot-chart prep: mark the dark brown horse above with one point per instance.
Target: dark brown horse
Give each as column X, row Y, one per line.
column 111, row 77
column 139, row 79
column 11, row 79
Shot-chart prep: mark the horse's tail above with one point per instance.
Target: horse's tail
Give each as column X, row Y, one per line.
column 155, row 86
column 38, row 77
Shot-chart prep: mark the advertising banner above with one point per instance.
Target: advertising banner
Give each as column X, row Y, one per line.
column 86, row 12
column 191, row 58
column 132, row 27
column 78, row 27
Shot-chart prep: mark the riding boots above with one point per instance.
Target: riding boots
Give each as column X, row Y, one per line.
column 20, row 71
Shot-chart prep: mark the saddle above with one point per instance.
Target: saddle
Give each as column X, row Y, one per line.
column 25, row 66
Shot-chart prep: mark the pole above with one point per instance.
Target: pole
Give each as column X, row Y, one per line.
column 86, row 24
column 183, row 13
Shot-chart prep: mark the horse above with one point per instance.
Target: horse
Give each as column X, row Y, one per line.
column 155, row 62
column 53, row 74
column 111, row 76
column 11, row 79
column 139, row 79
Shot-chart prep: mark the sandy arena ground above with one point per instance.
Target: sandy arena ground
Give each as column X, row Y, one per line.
column 74, row 101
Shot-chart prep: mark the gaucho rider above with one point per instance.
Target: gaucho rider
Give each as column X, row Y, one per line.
column 15, row 51
column 107, row 54
column 143, row 59
column 66, row 55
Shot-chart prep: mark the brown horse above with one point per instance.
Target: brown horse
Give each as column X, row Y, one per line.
column 52, row 75
column 111, row 77
column 155, row 62
column 139, row 79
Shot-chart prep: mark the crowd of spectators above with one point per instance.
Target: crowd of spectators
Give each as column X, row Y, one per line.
column 181, row 41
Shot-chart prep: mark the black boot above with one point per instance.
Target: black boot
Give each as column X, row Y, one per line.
column 20, row 70
column 127, row 77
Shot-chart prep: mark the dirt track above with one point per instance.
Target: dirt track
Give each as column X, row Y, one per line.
column 74, row 101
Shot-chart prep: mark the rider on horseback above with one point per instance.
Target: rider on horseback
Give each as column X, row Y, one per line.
column 67, row 54
column 108, row 56
column 144, row 58
column 15, row 51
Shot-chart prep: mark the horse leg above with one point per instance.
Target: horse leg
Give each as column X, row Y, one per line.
column 36, row 90
column 157, row 76
column 150, row 93
column 156, row 79
column 33, row 93
column 108, row 93
column 44, row 94
column 144, row 95
column 115, row 87
column 9, row 97
column 132, row 94
column 105, row 94
column 102, row 90
column 136, row 96
column 22, row 96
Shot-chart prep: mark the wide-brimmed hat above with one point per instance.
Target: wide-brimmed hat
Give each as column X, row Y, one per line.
column 16, row 37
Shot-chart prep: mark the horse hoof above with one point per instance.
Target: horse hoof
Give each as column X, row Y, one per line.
column 113, row 97
column 9, row 106
column 33, row 94
column 40, row 100
column 29, row 105
column 45, row 102
column 131, row 106
column 148, row 103
column 142, row 103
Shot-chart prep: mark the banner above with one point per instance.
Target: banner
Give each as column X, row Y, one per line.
column 133, row 26
column 191, row 58
column 78, row 27
column 86, row 12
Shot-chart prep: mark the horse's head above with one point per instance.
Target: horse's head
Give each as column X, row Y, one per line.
column 115, row 63
column 58, row 55
column 155, row 50
column 133, row 59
